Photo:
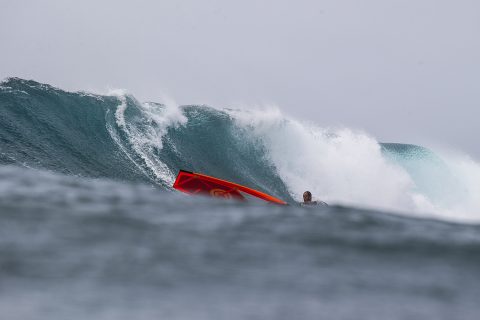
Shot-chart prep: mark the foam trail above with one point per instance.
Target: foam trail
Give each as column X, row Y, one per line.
column 120, row 121
column 146, row 131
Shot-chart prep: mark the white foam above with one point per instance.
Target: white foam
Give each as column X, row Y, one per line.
column 344, row 166
column 467, row 172
column 120, row 113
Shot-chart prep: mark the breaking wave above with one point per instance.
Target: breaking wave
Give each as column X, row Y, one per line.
column 115, row 136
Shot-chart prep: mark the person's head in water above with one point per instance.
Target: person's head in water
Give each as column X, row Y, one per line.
column 307, row 197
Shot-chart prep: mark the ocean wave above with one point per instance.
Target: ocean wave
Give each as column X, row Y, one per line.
column 117, row 137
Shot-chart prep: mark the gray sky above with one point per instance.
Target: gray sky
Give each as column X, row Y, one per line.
column 402, row 70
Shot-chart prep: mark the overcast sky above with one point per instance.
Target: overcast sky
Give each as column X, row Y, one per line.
column 402, row 70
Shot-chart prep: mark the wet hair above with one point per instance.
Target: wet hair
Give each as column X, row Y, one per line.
column 307, row 195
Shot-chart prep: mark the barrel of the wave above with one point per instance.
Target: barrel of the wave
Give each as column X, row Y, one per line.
column 201, row 184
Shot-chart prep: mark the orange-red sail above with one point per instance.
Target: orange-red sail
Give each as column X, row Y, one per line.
column 197, row 183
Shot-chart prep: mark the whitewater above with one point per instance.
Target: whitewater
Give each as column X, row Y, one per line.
column 89, row 219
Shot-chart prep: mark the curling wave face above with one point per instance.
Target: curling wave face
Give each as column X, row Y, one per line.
column 116, row 137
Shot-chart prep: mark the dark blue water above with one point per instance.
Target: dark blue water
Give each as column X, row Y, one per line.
column 89, row 227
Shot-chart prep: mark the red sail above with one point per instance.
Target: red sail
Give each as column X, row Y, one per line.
column 197, row 183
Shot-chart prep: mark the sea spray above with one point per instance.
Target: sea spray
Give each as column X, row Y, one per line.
column 337, row 165
column 343, row 166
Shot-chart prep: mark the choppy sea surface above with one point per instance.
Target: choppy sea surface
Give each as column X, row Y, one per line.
column 90, row 227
